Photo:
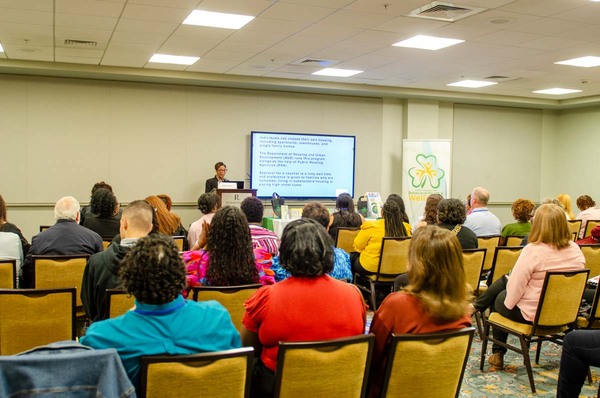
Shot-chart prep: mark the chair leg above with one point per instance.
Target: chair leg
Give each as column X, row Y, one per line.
column 527, row 362
column 538, row 350
column 478, row 320
column 373, row 296
column 484, row 342
column 589, row 377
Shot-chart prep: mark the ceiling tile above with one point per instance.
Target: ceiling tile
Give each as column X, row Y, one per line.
column 203, row 32
column 229, row 55
column 542, row 8
column 244, row 7
column 410, row 26
column 188, row 4
column 550, row 43
column 85, row 21
column 142, row 38
column 78, row 60
column 152, row 13
column 89, row 7
column 507, row 38
column 26, row 30
column 26, row 16
column 277, row 26
column 187, row 46
column 212, row 65
column 29, row 53
column 357, row 19
column 139, row 26
column 296, row 12
column 34, row 5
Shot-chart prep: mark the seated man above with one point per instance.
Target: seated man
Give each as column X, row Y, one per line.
column 342, row 268
column 162, row 321
column 64, row 237
column 482, row 221
column 102, row 269
column 253, row 208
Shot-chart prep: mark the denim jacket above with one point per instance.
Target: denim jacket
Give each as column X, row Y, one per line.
column 64, row 369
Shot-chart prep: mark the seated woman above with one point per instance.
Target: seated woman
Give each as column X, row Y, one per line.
column 451, row 214
column 227, row 258
column 308, row 306
column 588, row 211
column 168, row 223
column 403, row 216
column 429, row 216
column 345, row 216
column 565, row 202
column 8, row 246
column 162, row 321
column 521, row 211
column 516, row 296
column 104, row 217
column 435, row 300
column 208, row 204
column 367, row 244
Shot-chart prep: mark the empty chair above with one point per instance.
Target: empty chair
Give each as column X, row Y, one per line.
column 592, row 319
column 216, row 374
column 59, row 271
column 575, row 226
column 589, row 225
column 118, row 302
column 490, row 243
column 505, row 259
column 473, row 264
column 513, row 240
column 332, row 368
column 427, row 365
column 592, row 258
column 345, row 238
column 34, row 317
column 8, row 274
column 179, row 242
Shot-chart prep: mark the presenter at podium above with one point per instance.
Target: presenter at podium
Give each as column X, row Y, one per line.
column 213, row 183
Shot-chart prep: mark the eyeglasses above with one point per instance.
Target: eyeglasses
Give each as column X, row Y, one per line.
column 222, row 170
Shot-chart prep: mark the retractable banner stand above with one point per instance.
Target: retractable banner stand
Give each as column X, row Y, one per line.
column 425, row 171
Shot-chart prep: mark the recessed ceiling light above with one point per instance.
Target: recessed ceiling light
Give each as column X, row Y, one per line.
column 1, row 49
column 337, row 72
column 557, row 91
column 427, row 42
column 173, row 59
column 472, row 83
column 217, row 19
column 584, row 62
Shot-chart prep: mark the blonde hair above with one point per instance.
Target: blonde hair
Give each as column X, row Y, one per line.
column 436, row 273
column 550, row 226
column 167, row 221
column 565, row 202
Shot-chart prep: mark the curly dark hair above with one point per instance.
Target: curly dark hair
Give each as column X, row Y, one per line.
column 207, row 202
column 398, row 199
column 101, row 185
column 394, row 226
column 521, row 209
column 584, row 202
column 431, row 208
column 305, row 249
column 103, row 203
column 253, row 208
column 230, row 247
column 451, row 211
column 152, row 271
column 316, row 211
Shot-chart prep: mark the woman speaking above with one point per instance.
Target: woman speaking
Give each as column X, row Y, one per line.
column 213, row 183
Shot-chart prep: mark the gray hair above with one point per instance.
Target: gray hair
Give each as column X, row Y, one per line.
column 481, row 194
column 67, row 208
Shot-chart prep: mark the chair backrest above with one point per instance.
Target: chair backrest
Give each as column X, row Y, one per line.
column 490, row 243
column 8, row 274
column 179, row 242
column 393, row 258
column 592, row 258
column 34, row 317
column 505, row 258
column 213, row 374
column 513, row 240
column 118, row 302
column 575, row 225
column 560, row 298
column 590, row 224
column 230, row 297
column 106, row 241
column 445, row 354
column 345, row 238
column 330, row 368
column 44, row 227
column 594, row 317
column 59, row 271
column 473, row 265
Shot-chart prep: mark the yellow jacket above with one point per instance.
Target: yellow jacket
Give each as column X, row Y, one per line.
column 368, row 242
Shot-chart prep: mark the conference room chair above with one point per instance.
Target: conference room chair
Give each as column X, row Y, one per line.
column 345, row 238
column 118, row 302
column 230, row 297
column 393, row 261
column 427, row 365
column 226, row 374
column 575, row 225
column 513, row 240
column 591, row 224
column 106, row 241
column 592, row 258
column 490, row 243
column 505, row 258
column 179, row 242
column 8, row 274
column 44, row 227
column 592, row 319
column 473, row 265
column 35, row 317
column 330, row 368
column 556, row 314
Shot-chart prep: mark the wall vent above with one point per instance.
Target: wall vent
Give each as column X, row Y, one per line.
column 447, row 12
column 80, row 43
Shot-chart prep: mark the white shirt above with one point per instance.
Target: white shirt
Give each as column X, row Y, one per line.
column 483, row 222
column 11, row 249
column 593, row 213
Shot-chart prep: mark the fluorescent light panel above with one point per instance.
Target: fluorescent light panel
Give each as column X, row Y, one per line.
column 217, row 19
column 173, row 59
column 557, row 91
column 427, row 42
column 1, row 49
column 472, row 83
column 337, row 72
column 584, row 62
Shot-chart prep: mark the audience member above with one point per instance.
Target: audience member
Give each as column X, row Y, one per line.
column 342, row 268
column 102, row 269
column 468, row 205
column 253, row 209
column 589, row 211
column 163, row 322
column 521, row 211
column 13, row 244
column 482, row 221
column 208, row 204
column 105, row 214
column 227, row 258
column 435, row 300
column 402, row 207
column 516, row 296
column 168, row 223
column 289, row 310
column 213, row 183
column 64, row 237
column 593, row 239
column 580, row 350
column 345, row 215
column 87, row 210
column 429, row 216
column 166, row 200
column 451, row 215
column 565, row 202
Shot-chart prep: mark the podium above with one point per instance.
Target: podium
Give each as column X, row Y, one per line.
column 234, row 197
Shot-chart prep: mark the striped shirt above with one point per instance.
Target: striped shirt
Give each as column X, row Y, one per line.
column 262, row 237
